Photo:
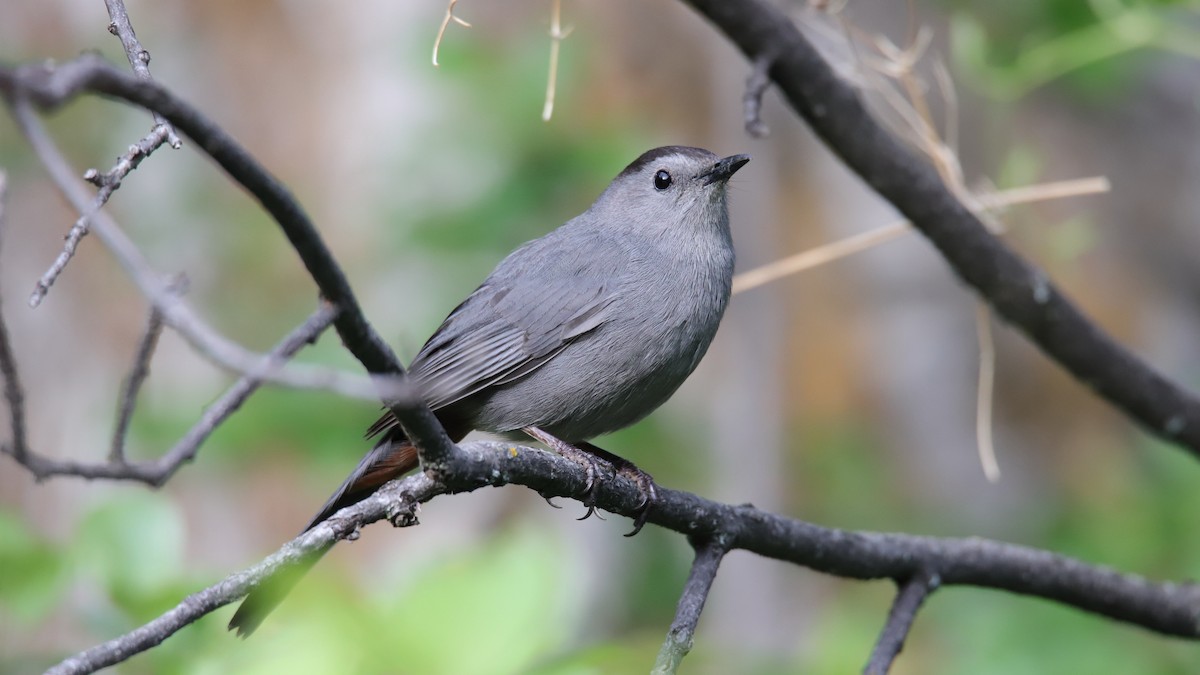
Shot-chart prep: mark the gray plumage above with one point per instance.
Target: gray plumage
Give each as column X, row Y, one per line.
column 591, row 327
column 578, row 333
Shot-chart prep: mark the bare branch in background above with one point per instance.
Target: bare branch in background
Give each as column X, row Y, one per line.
column 709, row 553
column 304, row 334
column 757, row 84
column 13, row 393
column 156, row 472
column 133, row 384
column 50, row 86
column 139, row 59
column 1167, row 608
column 108, row 182
column 210, row 344
column 910, row 595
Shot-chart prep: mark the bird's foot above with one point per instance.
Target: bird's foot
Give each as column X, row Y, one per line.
column 644, row 481
column 589, row 457
column 587, row 460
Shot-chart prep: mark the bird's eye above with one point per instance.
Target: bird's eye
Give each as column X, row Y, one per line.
column 662, row 180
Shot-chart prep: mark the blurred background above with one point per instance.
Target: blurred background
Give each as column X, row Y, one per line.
column 844, row 395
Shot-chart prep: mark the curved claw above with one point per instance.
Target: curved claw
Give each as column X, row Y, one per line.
column 649, row 497
column 589, row 457
column 589, row 485
column 588, row 498
column 550, row 501
column 640, row 521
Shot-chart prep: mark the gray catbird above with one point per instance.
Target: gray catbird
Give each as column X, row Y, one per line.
column 581, row 332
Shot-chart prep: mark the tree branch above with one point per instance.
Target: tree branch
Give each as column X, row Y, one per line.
column 139, row 58
column 51, row 86
column 185, row 450
column 756, row 86
column 156, row 472
column 14, row 394
column 709, row 553
column 1169, row 608
column 133, row 384
column 206, row 340
column 909, row 598
column 1015, row 289
column 107, row 182
column 1019, row 292
column 396, row 496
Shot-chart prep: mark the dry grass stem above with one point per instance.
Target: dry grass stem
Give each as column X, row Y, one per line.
column 985, row 393
column 1041, row 192
column 437, row 42
column 820, row 255
column 557, row 35
column 860, row 242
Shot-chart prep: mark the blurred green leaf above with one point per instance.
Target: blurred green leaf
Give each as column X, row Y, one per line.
column 490, row 612
column 494, row 608
column 603, row 659
column 1010, row 49
column 1072, row 238
column 134, row 544
column 1021, row 166
column 31, row 571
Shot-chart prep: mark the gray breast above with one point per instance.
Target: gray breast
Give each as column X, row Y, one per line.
column 660, row 324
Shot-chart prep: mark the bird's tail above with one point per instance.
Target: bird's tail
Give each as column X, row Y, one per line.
column 391, row 457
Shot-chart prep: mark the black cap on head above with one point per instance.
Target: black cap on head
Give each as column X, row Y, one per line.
column 665, row 151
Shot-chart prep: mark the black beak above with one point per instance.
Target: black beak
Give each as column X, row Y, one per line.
column 723, row 169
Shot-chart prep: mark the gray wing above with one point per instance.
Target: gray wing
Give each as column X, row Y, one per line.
column 536, row 302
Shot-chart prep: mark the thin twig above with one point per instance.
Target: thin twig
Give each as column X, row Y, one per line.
column 909, row 598
column 945, row 83
column 557, row 35
column 14, row 394
column 985, row 392
column 158, row 471
column 52, row 86
column 709, row 553
column 437, row 42
column 820, row 255
column 139, row 58
column 841, row 248
column 898, row 64
column 231, row 400
column 1045, row 191
column 133, row 384
column 1168, row 608
column 107, row 182
column 756, row 86
column 202, row 337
